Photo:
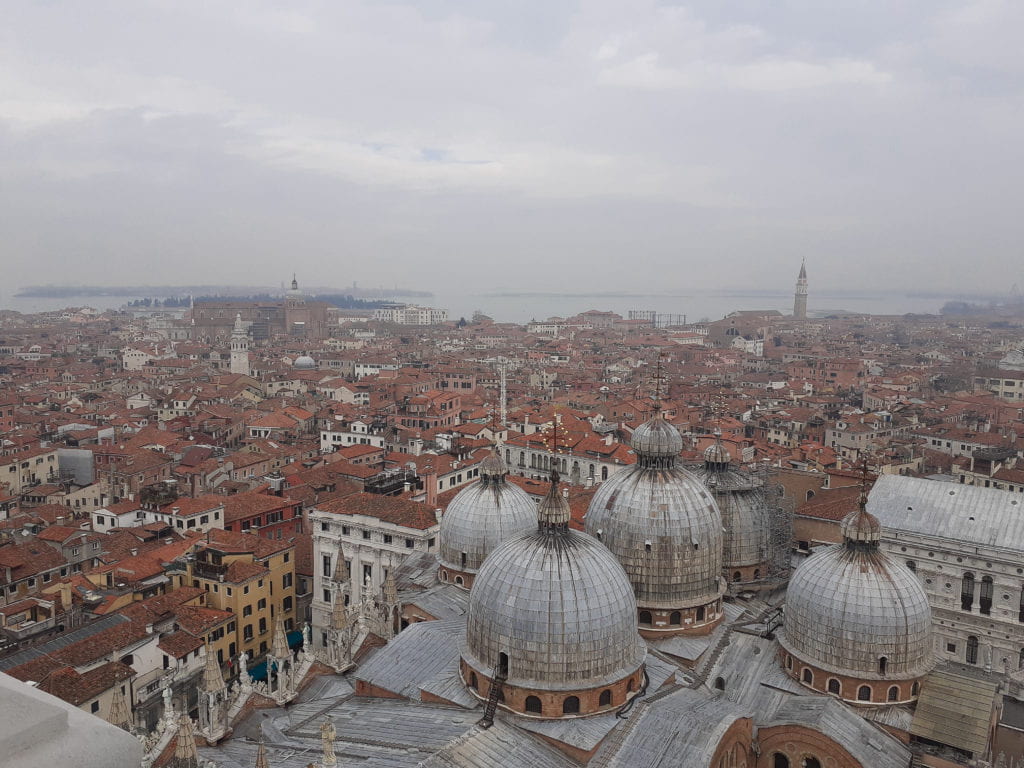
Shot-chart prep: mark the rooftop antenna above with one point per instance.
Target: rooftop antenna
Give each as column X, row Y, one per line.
column 503, row 372
column 658, row 380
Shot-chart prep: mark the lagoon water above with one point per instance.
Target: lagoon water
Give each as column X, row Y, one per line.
column 521, row 307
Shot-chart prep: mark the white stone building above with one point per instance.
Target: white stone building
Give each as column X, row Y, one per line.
column 374, row 534
column 966, row 544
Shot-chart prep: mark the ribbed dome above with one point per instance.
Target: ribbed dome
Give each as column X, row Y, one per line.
column 852, row 605
column 560, row 606
column 493, row 465
column 657, row 438
column 716, row 453
column 746, row 505
column 482, row 515
column 661, row 523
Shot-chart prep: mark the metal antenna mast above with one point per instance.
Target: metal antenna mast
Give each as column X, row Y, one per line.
column 502, row 370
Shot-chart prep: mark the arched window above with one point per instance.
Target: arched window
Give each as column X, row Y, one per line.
column 779, row 760
column 967, row 592
column 882, row 664
column 458, row 580
column 757, row 574
column 985, row 598
column 915, row 688
column 811, row 762
column 834, row 686
column 864, row 693
column 472, row 680
column 809, row 495
column 700, row 613
column 570, row 705
column 444, row 575
column 972, row 650
column 533, row 704
column 808, row 676
column 630, row 685
column 736, row 576
column 606, row 698
column 675, row 618
column 894, row 693
column 604, row 473
column 789, row 662
column 463, row 559
column 645, row 617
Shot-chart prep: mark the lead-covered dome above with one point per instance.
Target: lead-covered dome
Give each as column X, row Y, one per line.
column 480, row 517
column 854, row 612
column 304, row 363
column 657, row 438
column 747, row 505
column 553, row 610
column 663, row 526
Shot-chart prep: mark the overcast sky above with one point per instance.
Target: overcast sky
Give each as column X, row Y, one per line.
column 502, row 143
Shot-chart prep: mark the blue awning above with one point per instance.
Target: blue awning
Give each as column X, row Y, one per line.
column 259, row 672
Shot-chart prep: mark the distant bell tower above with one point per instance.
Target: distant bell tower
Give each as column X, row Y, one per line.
column 800, row 296
column 240, row 348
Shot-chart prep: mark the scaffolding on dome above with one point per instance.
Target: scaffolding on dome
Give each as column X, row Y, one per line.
column 743, row 491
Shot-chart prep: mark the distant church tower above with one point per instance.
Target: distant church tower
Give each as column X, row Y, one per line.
column 240, row 348
column 800, row 296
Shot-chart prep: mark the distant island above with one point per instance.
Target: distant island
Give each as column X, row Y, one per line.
column 184, row 292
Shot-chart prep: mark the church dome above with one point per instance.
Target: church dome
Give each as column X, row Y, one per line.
column 747, row 505
column 854, row 611
column 717, row 454
column 553, row 610
column 480, row 517
column 663, row 526
column 656, row 437
column 304, row 363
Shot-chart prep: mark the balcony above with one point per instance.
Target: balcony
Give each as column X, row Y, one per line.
column 26, row 629
column 206, row 570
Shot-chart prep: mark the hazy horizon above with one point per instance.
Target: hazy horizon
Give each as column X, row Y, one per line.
column 571, row 146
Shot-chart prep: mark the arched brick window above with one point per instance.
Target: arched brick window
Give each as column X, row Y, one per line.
column 645, row 617
column 533, row 704
column 570, row 705
column 894, row 693
column 675, row 619
column 779, row 760
column 834, row 686
column 864, row 693
column 605, row 698
column 808, row 676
